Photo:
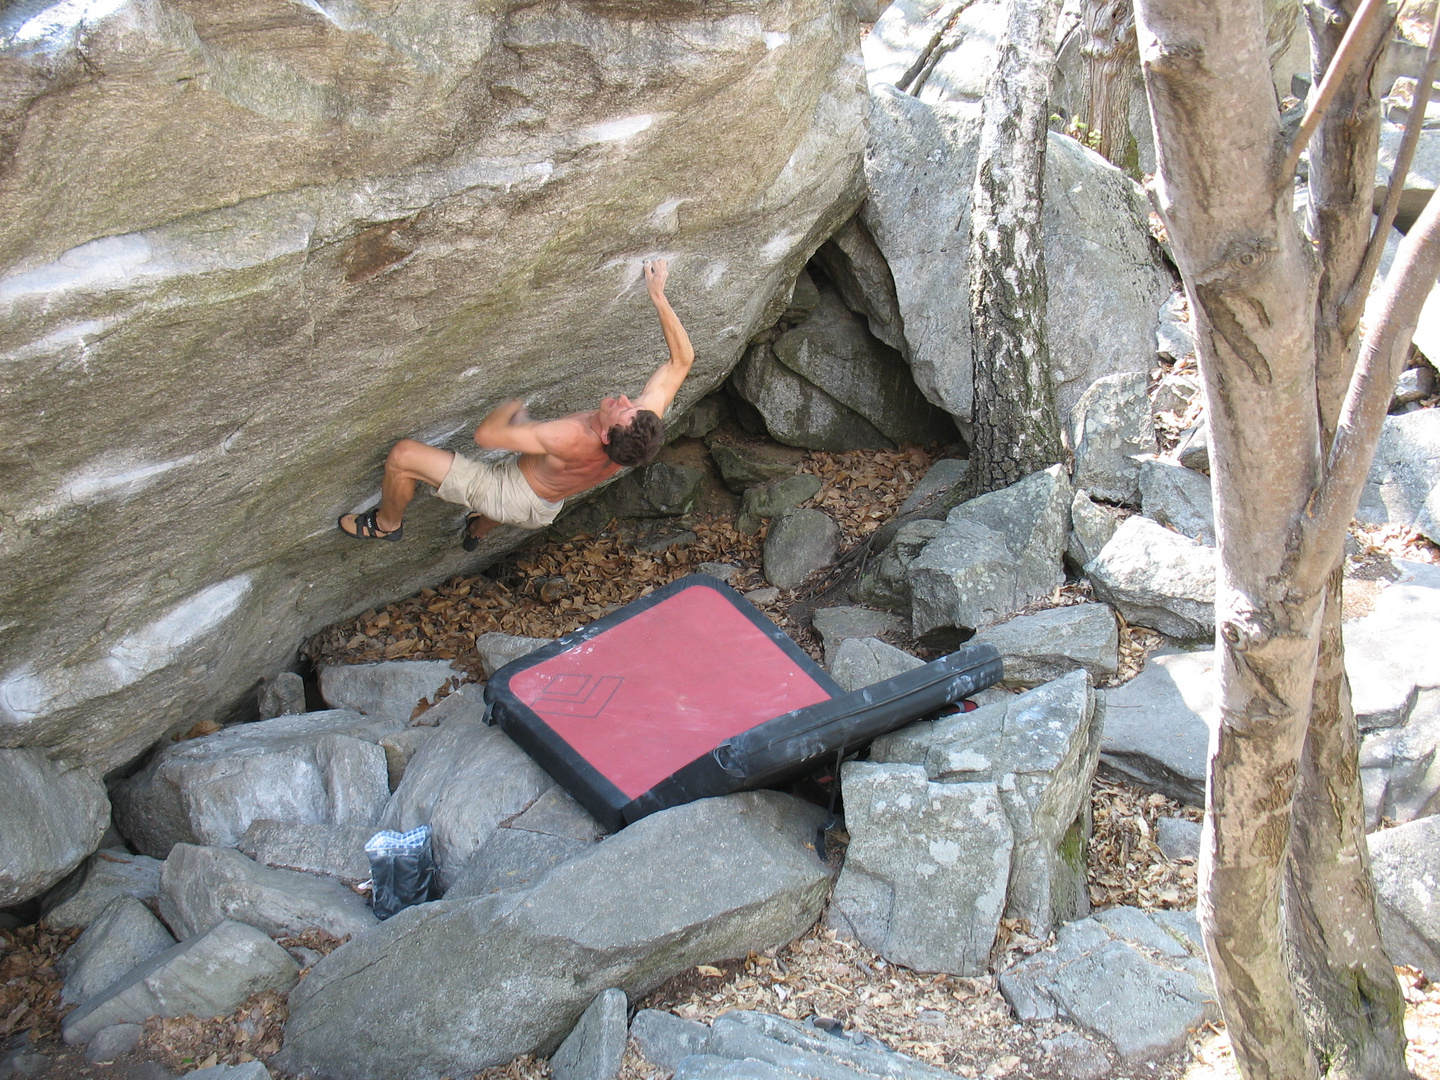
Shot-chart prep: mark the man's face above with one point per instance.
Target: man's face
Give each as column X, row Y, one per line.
column 616, row 410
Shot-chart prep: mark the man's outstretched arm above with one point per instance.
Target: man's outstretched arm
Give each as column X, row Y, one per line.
column 509, row 427
column 662, row 386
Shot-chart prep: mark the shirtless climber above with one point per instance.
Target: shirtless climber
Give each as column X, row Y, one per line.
column 557, row 458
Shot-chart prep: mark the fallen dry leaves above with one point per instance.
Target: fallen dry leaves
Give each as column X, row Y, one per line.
column 29, row 985
column 254, row 1031
column 1126, row 865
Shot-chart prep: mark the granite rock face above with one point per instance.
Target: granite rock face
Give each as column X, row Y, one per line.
column 1158, row 578
column 1113, row 430
column 1405, row 866
column 51, row 818
column 124, row 934
column 389, row 690
column 1040, row 647
column 109, row 873
column 389, row 183
column 1404, row 481
column 511, row 973
column 1157, row 726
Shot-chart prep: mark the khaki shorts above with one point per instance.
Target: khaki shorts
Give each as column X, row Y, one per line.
column 499, row 491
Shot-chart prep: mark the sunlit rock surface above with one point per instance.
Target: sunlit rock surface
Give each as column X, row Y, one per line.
column 244, row 247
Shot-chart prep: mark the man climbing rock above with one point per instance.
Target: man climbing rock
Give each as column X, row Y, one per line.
column 556, row 458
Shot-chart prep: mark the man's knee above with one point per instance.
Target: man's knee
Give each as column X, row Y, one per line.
column 405, row 454
column 419, row 461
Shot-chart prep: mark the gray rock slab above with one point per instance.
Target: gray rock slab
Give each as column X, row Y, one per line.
column 1389, row 651
column 1157, row 725
column 865, row 661
column 51, row 818
column 1405, row 867
column 660, row 489
column 1112, row 431
column 556, row 813
column 1137, row 980
column 282, row 694
column 925, row 874
column 743, row 465
column 1091, row 527
column 764, row 501
column 798, row 413
column 939, row 490
column 336, row 851
column 885, row 582
column 201, row 887
column 317, row 768
column 1076, row 1056
column 1157, row 578
column 1178, row 838
column 1178, row 497
column 109, row 1043
column 593, row 1049
column 389, row 690
column 513, row 859
column 1414, row 383
column 463, row 783
column 430, row 212
column 126, row 933
column 1038, row 648
column 803, row 1050
column 511, row 973
column 109, row 873
column 250, row 1070
column 665, row 1039
column 210, row 974
column 1040, row 749
column 799, row 542
column 401, row 746
column 1404, row 481
column 1193, row 449
column 1175, row 333
column 1400, row 767
column 497, row 649
column 838, row 624
column 858, row 269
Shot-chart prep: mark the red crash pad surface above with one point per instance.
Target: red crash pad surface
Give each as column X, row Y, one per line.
column 653, row 693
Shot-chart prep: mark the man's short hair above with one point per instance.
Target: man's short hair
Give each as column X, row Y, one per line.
column 637, row 442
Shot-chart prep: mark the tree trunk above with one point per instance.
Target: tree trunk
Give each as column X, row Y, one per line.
column 1110, row 55
column 1016, row 430
column 1292, row 435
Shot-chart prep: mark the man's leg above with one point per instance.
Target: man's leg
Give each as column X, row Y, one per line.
column 409, row 461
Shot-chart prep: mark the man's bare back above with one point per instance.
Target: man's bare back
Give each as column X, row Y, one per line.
column 557, row 458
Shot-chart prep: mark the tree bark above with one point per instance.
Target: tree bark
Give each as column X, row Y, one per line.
column 1016, row 429
column 1292, row 436
column 1110, row 57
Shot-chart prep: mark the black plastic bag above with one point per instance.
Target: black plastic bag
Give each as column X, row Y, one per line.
column 402, row 870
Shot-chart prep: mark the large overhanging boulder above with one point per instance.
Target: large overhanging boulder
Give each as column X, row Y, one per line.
column 244, row 247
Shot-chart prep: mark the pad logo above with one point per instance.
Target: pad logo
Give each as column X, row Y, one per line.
column 577, row 695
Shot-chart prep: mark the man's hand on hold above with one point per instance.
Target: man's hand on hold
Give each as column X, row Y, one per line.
column 656, row 272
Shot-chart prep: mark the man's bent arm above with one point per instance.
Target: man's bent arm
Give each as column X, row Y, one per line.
column 509, row 427
column 662, row 386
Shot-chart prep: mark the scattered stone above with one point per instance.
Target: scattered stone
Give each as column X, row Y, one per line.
column 1193, row 449
column 1038, row 648
column 799, row 543
column 885, row 583
column 763, row 596
column 1400, row 767
column 939, row 491
column 124, row 934
column 720, row 571
column 1178, row 838
column 1077, row 1057
column 202, row 887
column 666, row 1039
column 661, row 489
column 210, row 974
column 997, row 553
column 1175, row 334
column 1404, row 481
column 109, row 873
column 513, row 859
column 704, row 417
column 838, row 624
column 775, row 1047
column 1414, row 383
column 764, row 501
column 1040, row 749
column 389, row 690
column 462, row 783
column 1091, row 527
column 50, row 820
column 511, row 973
column 1178, row 497
column 796, row 411
column 318, row 768
column 496, row 649
column 592, row 1051
column 1405, row 866
column 857, row 268
column 1157, row 578
column 1113, row 428
column 1107, row 975
column 109, row 1043
column 401, row 746
column 1175, row 393
column 336, row 851
column 744, row 465
column 865, row 661
column 928, row 894
column 1390, row 652
column 833, row 350
column 1157, row 725
column 282, row 694
column 250, row 1070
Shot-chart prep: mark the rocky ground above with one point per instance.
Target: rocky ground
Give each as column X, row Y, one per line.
column 555, row 584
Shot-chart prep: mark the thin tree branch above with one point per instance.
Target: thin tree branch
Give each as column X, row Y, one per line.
column 1404, row 157
column 1344, row 57
column 1386, row 345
